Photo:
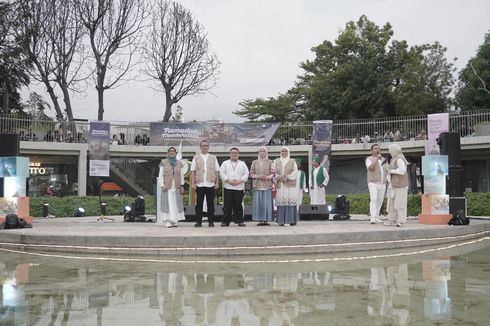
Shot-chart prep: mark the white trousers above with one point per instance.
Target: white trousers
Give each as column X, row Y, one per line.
column 397, row 207
column 376, row 195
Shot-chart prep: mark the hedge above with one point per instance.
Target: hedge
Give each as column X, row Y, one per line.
column 477, row 204
column 66, row 206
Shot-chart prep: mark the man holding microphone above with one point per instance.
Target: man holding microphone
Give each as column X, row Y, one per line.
column 376, row 183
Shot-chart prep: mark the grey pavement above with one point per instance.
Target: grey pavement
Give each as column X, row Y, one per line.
column 87, row 235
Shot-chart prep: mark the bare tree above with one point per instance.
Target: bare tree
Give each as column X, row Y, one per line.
column 114, row 28
column 178, row 55
column 51, row 36
column 32, row 36
column 484, row 85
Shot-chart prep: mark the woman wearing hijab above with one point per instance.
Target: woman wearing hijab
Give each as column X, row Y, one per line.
column 318, row 181
column 286, row 172
column 398, row 187
column 261, row 174
column 171, row 182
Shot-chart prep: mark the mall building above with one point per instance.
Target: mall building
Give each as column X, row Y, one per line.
column 59, row 152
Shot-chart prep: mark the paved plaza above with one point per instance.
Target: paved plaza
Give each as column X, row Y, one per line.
column 87, row 235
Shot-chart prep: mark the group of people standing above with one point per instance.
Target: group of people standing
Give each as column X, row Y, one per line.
column 280, row 175
column 388, row 175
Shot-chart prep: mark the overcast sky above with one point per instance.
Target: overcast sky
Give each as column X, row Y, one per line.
column 261, row 43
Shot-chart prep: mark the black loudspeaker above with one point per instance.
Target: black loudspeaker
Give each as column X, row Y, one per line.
column 9, row 145
column 313, row 212
column 412, row 178
column 455, row 187
column 457, row 204
column 450, row 145
column 190, row 213
column 11, row 221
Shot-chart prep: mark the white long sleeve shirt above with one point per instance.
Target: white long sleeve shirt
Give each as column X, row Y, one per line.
column 230, row 170
column 401, row 167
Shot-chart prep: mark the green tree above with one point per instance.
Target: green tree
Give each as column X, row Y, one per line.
column 13, row 64
column 279, row 109
column 422, row 79
column 36, row 107
column 363, row 74
column 474, row 80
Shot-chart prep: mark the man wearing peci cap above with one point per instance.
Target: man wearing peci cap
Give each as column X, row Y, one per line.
column 318, row 181
column 234, row 173
column 205, row 180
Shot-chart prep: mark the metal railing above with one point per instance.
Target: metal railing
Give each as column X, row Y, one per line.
column 142, row 173
column 470, row 123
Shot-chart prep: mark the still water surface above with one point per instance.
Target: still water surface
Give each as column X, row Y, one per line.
column 451, row 287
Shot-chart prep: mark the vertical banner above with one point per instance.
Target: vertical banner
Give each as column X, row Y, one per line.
column 99, row 148
column 436, row 123
column 322, row 140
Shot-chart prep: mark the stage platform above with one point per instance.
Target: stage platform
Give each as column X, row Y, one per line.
column 87, row 236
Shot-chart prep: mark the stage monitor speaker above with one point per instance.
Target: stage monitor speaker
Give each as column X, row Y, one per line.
column 9, row 145
column 314, row 212
column 450, row 145
column 190, row 213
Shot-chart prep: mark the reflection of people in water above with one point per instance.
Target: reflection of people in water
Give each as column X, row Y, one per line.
column 389, row 294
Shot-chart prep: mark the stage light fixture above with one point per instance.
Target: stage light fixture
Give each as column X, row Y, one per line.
column 45, row 209
column 136, row 212
column 341, row 209
column 80, row 212
column 103, row 209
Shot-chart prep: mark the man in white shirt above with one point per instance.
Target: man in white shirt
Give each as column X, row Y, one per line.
column 376, row 183
column 234, row 173
column 205, row 180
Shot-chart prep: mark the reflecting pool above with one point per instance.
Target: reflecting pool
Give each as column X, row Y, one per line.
column 445, row 287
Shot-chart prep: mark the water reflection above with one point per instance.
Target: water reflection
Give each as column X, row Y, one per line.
column 432, row 290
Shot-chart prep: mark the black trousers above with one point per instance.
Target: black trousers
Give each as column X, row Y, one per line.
column 207, row 192
column 233, row 206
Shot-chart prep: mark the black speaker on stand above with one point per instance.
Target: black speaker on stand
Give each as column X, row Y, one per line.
column 10, row 144
column 450, row 145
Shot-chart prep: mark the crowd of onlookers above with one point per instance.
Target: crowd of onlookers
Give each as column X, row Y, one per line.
column 138, row 140
column 120, row 139
column 53, row 136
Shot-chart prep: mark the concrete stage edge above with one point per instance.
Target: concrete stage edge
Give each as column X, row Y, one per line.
column 86, row 236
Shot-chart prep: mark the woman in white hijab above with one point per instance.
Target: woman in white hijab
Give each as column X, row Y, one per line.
column 261, row 174
column 398, row 187
column 286, row 196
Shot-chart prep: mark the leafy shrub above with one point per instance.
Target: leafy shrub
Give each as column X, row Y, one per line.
column 66, row 206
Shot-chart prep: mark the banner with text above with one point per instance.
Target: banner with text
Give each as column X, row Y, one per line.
column 436, row 123
column 98, row 147
column 322, row 140
column 172, row 133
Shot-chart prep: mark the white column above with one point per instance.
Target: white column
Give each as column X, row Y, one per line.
column 82, row 172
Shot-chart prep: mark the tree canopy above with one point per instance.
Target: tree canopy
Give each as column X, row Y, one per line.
column 14, row 66
column 364, row 73
column 474, row 80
